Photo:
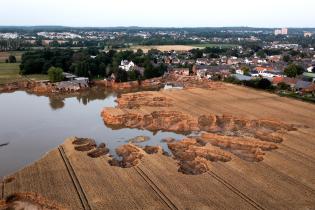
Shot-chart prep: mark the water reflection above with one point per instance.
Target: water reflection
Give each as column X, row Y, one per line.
column 34, row 124
column 56, row 103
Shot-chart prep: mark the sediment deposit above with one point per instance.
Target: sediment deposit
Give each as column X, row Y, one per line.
column 136, row 100
column 14, row 86
column 193, row 82
column 38, row 87
column 144, row 84
column 90, row 146
column 222, row 136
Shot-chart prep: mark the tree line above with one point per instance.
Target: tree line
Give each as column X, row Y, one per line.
column 92, row 63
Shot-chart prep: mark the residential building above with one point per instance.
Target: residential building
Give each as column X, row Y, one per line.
column 181, row 71
column 278, row 32
column 126, row 65
column 203, row 61
column 308, row 34
column 242, row 77
column 282, row 31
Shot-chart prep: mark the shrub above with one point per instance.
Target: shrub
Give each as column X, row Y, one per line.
column 12, row 59
column 293, row 70
column 55, row 74
column 283, row 86
column 264, row 84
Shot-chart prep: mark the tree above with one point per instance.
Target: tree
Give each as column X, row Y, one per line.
column 82, row 69
column 264, row 84
column 245, row 70
column 151, row 71
column 108, row 71
column 286, row 58
column 132, row 75
column 55, row 74
column 102, row 69
column 196, row 53
column 121, row 75
column 12, row 59
column 283, row 86
column 32, row 66
column 261, row 54
column 293, row 70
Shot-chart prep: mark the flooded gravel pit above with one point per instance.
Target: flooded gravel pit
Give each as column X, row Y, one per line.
column 31, row 125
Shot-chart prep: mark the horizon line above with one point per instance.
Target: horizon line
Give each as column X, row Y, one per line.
column 178, row 27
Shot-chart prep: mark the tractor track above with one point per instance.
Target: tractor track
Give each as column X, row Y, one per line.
column 74, row 178
column 156, row 189
column 236, row 191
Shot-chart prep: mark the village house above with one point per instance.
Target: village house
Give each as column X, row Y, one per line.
column 233, row 61
column 74, row 85
column 274, row 58
column 286, row 80
column 301, row 85
column 203, row 61
column 68, row 76
column 309, row 76
column 262, row 69
column 175, row 61
column 271, row 74
column 167, row 60
column 242, row 77
column 187, row 62
column 239, row 71
column 268, row 72
column 180, row 71
column 126, row 65
column 208, row 71
column 311, row 69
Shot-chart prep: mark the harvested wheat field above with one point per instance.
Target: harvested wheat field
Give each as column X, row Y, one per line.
column 249, row 150
column 163, row 48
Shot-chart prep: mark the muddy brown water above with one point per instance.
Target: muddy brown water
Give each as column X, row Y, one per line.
column 33, row 125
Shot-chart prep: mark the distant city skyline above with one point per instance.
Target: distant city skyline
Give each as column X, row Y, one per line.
column 163, row 13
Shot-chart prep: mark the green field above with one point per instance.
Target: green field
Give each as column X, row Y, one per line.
column 5, row 55
column 37, row 76
column 9, row 72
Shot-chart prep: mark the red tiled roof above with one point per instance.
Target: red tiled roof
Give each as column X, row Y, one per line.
column 309, row 89
column 277, row 80
column 263, row 68
column 287, row 80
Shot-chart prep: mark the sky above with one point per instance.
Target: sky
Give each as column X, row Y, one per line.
column 159, row 13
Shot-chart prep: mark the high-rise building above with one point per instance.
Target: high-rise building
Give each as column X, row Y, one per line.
column 282, row 31
column 278, row 32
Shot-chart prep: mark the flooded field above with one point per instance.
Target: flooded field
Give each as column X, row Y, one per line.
column 31, row 125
